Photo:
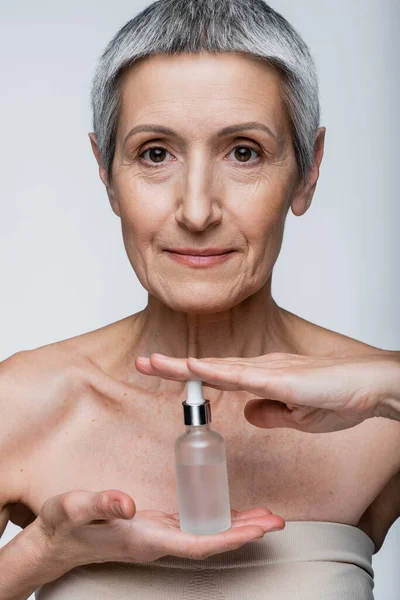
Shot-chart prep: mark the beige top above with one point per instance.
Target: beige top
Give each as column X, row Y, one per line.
column 308, row 560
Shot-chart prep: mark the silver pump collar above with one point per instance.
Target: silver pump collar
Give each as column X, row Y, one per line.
column 197, row 414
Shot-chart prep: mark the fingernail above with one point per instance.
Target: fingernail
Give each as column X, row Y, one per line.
column 276, row 529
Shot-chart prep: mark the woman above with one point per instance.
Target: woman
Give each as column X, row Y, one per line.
column 206, row 132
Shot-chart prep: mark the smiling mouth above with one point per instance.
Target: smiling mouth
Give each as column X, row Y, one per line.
column 199, row 252
column 201, row 255
column 200, row 260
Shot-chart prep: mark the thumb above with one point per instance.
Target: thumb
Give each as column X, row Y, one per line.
column 80, row 507
column 107, row 504
column 309, row 419
column 269, row 414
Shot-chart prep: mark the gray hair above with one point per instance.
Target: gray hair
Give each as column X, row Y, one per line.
column 188, row 26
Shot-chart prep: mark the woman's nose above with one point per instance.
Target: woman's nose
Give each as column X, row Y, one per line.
column 199, row 206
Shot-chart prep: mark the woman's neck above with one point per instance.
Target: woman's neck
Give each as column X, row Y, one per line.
column 254, row 327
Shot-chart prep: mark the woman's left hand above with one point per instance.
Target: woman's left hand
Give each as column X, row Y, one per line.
column 308, row 393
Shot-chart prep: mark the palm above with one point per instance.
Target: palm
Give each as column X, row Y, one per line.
column 160, row 534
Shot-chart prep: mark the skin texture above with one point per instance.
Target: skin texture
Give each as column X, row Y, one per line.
column 204, row 191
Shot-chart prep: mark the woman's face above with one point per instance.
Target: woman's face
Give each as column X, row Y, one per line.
column 197, row 186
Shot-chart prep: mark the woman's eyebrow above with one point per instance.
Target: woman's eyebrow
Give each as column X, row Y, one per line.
column 225, row 131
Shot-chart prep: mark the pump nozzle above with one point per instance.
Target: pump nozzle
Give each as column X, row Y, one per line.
column 196, row 409
column 194, row 392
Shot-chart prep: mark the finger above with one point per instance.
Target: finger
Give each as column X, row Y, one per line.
column 108, row 504
column 268, row 522
column 254, row 379
column 269, row 414
column 171, row 359
column 169, row 362
column 176, row 369
column 153, row 371
column 199, row 547
column 157, row 363
column 259, row 511
column 80, row 507
column 165, row 367
column 145, row 366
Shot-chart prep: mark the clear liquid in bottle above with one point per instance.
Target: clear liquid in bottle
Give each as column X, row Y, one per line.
column 202, row 481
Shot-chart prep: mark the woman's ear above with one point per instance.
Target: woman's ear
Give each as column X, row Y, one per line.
column 301, row 200
column 103, row 175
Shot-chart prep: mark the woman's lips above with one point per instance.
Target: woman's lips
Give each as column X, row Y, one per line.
column 199, row 261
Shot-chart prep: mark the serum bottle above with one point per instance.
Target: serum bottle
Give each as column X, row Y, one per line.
column 201, row 469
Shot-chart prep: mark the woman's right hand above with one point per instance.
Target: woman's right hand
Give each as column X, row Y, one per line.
column 81, row 527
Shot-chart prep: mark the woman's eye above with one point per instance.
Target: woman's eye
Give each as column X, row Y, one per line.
column 243, row 153
column 157, row 155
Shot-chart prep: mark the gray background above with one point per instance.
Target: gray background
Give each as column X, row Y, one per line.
column 64, row 270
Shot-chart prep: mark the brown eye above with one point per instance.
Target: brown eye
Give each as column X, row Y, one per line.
column 156, row 154
column 243, row 153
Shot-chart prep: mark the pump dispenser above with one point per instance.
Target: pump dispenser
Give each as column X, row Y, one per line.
column 201, row 469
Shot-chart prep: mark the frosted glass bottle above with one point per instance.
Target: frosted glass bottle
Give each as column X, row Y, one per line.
column 201, row 474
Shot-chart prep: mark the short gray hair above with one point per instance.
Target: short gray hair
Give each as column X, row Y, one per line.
column 189, row 26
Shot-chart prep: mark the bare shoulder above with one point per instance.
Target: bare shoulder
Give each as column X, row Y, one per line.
column 31, row 383
column 314, row 340
column 37, row 384
column 101, row 345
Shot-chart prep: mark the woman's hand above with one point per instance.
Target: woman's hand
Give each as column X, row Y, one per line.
column 308, row 393
column 81, row 527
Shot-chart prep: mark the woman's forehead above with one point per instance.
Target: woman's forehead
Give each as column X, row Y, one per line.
column 202, row 88
column 209, row 75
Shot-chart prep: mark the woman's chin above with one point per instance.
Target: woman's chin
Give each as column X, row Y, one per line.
column 199, row 304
